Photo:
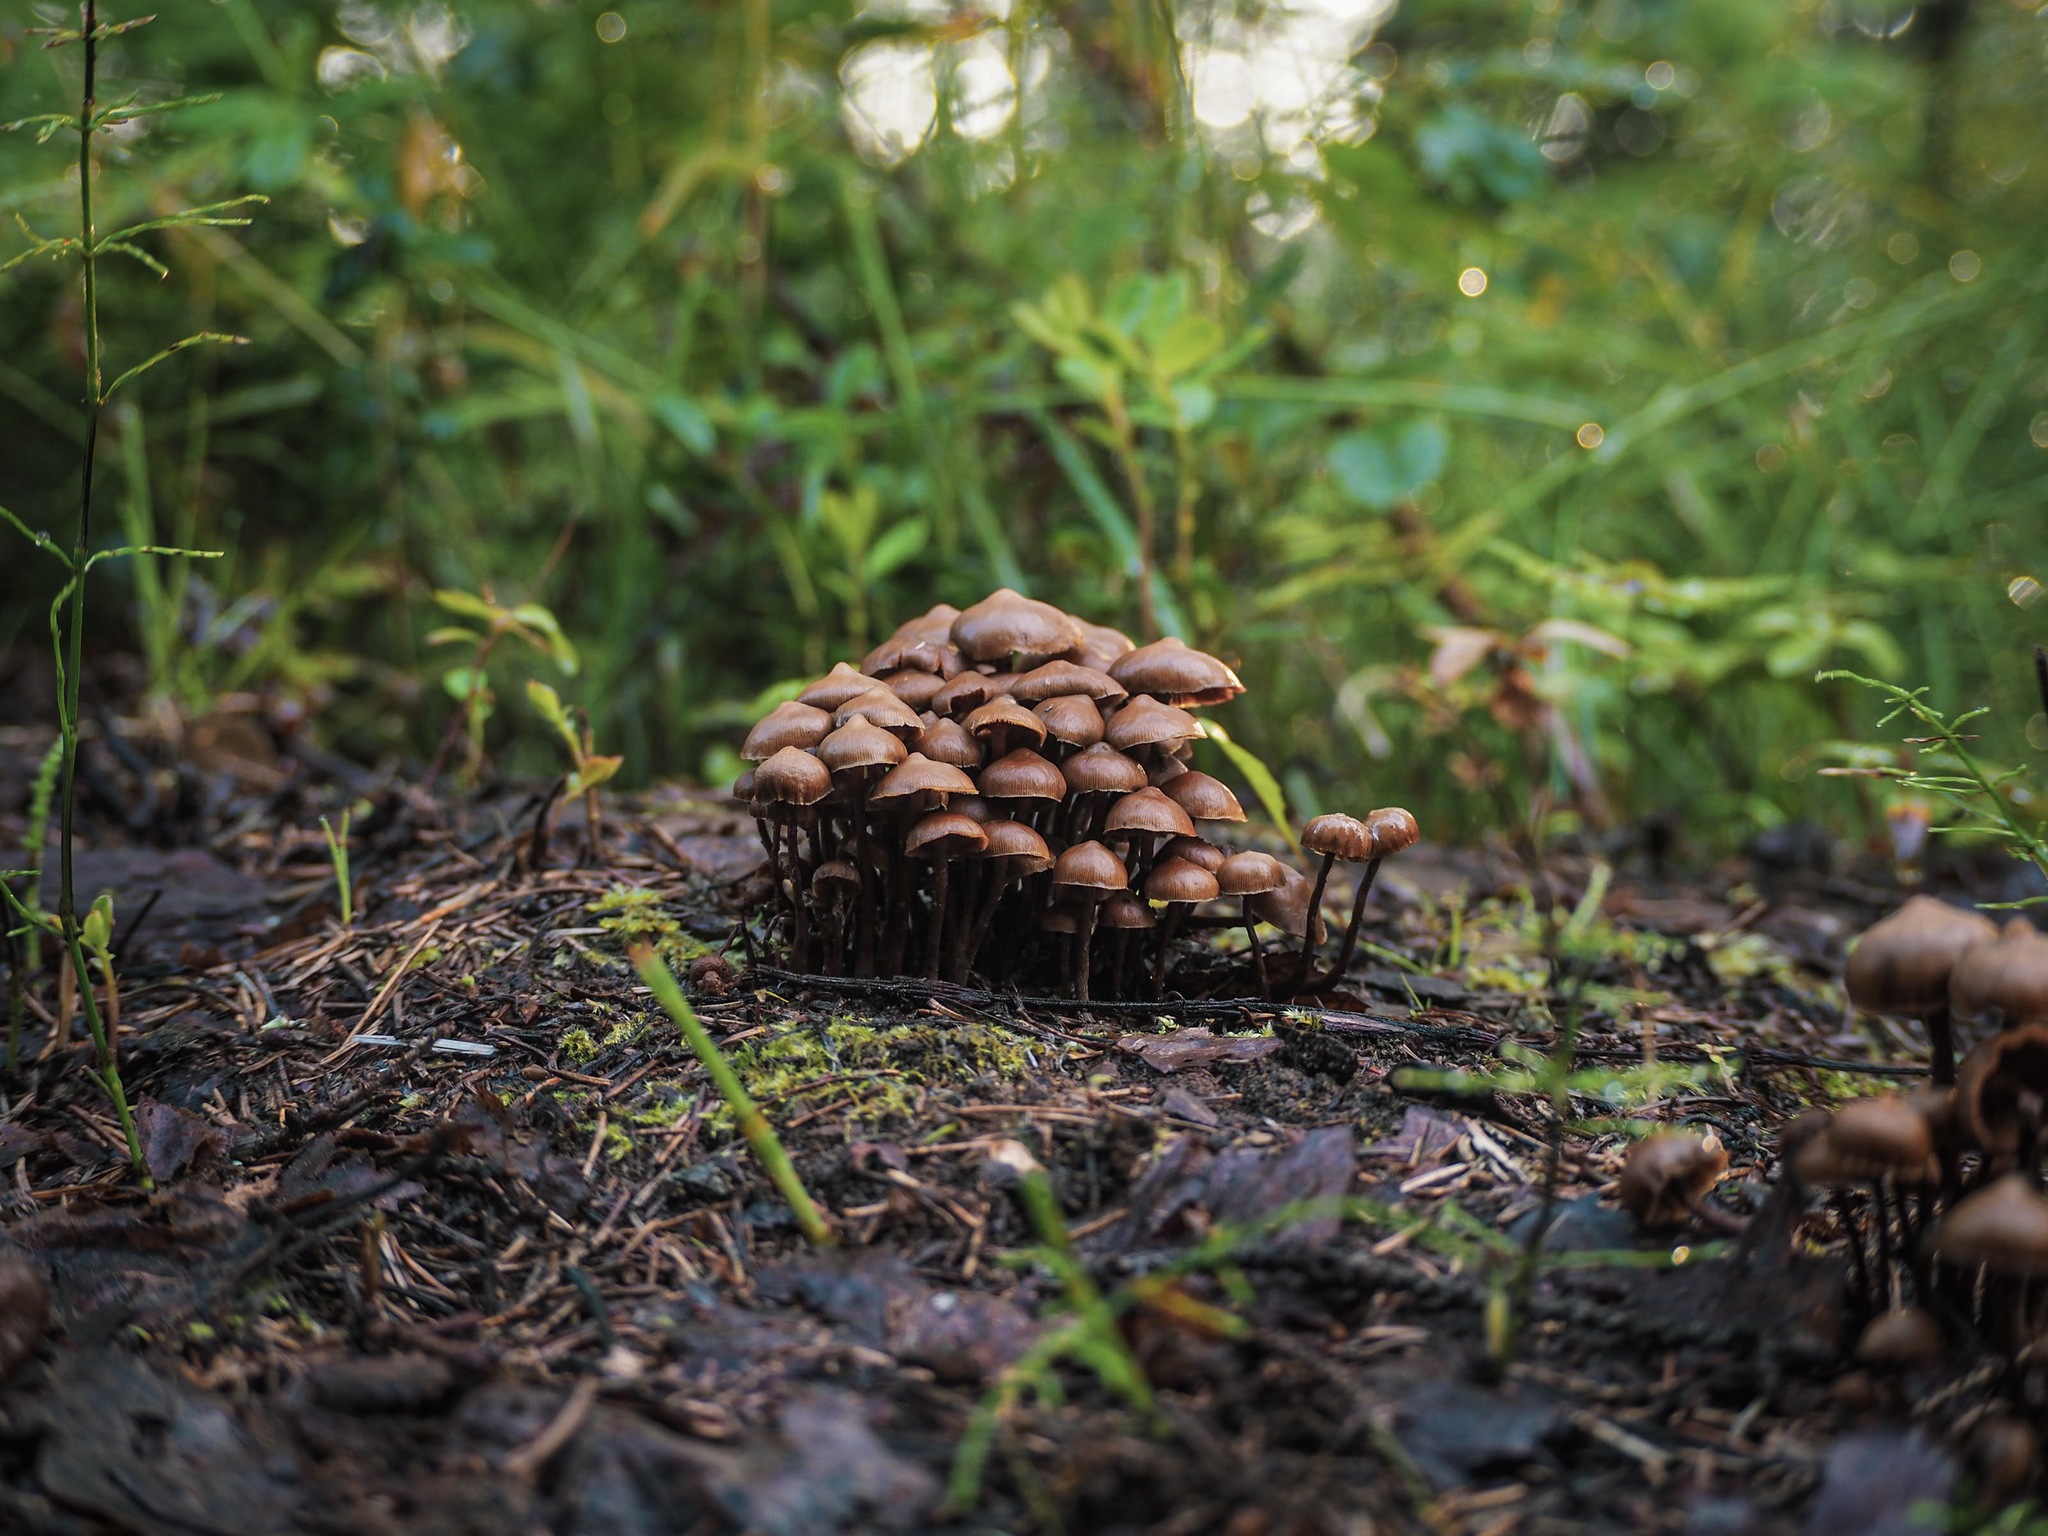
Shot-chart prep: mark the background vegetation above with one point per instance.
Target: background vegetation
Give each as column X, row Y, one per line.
column 1534, row 396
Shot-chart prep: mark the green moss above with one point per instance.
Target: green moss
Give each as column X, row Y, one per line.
column 578, row 1045
column 639, row 916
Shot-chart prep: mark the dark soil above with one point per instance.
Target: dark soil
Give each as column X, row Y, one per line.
column 448, row 1233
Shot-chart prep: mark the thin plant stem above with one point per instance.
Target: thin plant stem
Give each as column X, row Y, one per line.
column 753, row 1125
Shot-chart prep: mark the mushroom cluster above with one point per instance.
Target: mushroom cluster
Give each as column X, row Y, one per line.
column 991, row 787
column 1948, row 1176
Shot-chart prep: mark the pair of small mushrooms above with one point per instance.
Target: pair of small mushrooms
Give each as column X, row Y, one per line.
column 992, row 785
column 1936, row 962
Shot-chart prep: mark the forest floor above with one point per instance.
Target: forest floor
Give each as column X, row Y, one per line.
column 449, row 1233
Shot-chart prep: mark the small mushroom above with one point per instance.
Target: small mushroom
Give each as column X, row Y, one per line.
column 1013, row 852
column 1203, row 797
column 1901, row 967
column 2001, row 1093
column 1171, row 670
column 1086, row 874
column 942, row 837
column 1179, row 883
column 2004, row 1227
column 1124, row 913
column 1007, row 626
column 1901, row 1339
column 878, row 706
column 843, row 683
column 1057, row 679
column 1290, row 910
column 1005, row 724
column 948, row 741
column 1100, row 646
column 1247, row 875
column 2004, row 980
column 1071, row 719
column 913, row 686
column 835, row 886
column 1143, row 721
column 1665, row 1176
column 794, row 781
column 1196, row 851
column 786, row 725
column 963, row 694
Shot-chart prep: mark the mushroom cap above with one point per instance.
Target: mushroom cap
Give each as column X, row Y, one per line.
column 1203, row 797
column 791, row 777
column 947, row 741
column 1903, row 1337
column 973, row 807
column 1143, row 721
column 1170, row 670
column 1100, row 646
column 1007, row 623
column 1180, row 880
column 1338, row 837
column 1901, row 964
column 1164, row 769
column 1885, row 1134
column 970, row 690
column 1058, row 678
column 878, row 706
column 1393, row 830
column 1994, row 1084
column 919, row 775
column 1146, row 811
column 1287, row 909
column 914, row 653
column 1088, row 871
column 944, row 835
column 1250, row 873
column 913, row 687
column 1194, row 850
column 743, row 786
column 786, row 725
column 1060, row 920
column 1071, row 718
column 1005, row 714
column 1014, row 841
column 1819, row 1163
column 843, row 682
column 1102, row 770
column 934, row 624
column 835, row 878
column 2003, row 1225
column 1666, row 1174
column 1125, row 910
column 1023, row 775
column 861, row 744
column 2006, row 976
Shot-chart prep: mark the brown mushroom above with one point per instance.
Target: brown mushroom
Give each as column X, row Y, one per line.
column 2001, row 1093
column 1900, row 1339
column 1170, row 670
column 1384, row 832
column 786, row 725
column 1290, row 910
column 1145, row 722
column 1666, row 1175
column 1005, row 725
column 842, row 683
column 1901, row 965
column 879, row 707
column 1084, row 875
column 1203, row 797
column 1100, row 646
column 1071, row 719
column 2003, row 1226
column 1006, row 625
column 1013, row 852
column 915, row 688
column 1180, row 884
column 2003, row 980
column 967, row 692
column 1124, row 913
column 1246, row 875
column 942, row 837
column 793, row 781
column 948, row 741
column 1060, row 679
column 1146, row 813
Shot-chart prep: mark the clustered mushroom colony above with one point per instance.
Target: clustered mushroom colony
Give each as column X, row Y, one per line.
column 992, row 787
column 1937, row 1191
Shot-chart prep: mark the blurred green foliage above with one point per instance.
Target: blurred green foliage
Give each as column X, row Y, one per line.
column 1533, row 400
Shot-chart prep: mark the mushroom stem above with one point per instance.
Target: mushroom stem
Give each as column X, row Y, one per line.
column 1251, row 932
column 1175, row 911
column 1350, row 946
column 870, row 898
column 1308, row 939
column 1858, row 1266
column 800, row 934
column 1941, row 1048
column 1086, row 923
column 1881, row 1216
column 938, row 935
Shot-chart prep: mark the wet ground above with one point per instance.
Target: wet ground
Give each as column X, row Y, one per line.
column 449, row 1233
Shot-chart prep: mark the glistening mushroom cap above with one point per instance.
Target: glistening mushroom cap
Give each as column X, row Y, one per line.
column 913, row 687
column 1665, row 1175
column 1088, row 872
column 1179, row 880
column 1007, row 623
column 911, row 653
column 1250, row 873
column 836, row 879
column 791, row 777
column 786, row 725
column 1287, row 907
column 1126, row 911
column 1194, row 850
column 919, row 775
column 944, row 835
column 1393, row 830
column 1170, row 670
column 1071, row 719
column 1022, row 845
column 1100, row 646
column 1102, row 770
column 1146, row 811
column 968, row 691
column 879, row 707
column 1145, row 722
column 1023, row 775
column 843, row 682
column 1885, row 1134
column 859, row 745
column 949, row 742
column 1007, row 719
column 2005, row 977
column 2003, row 1225
column 2001, row 1086
column 1056, row 679
column 1901, row 965
column 1203, row 797
column 1338, row 837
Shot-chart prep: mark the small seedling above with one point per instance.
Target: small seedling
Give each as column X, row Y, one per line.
column 753, row 1125
column 588, row 771
column 469, row 682
column 337, row 852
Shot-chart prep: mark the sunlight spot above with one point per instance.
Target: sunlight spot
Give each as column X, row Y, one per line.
column 1964, row 266
column 1224, row 95
column 984, row 97
column 611, row 27
column 1903, row 247
column 1660, row 75
column 891, row 99
column 2037, row 430
column 2024, row 591
column 1472, row 282
column 347, row 229
column 340, row 68
column 1591, row 435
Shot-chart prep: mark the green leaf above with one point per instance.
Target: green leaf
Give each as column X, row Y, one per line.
column 686, row 421
column 96, row 932
column 1188, row 343
column 900, row 545
column 1381, row 470
column 1261, row 779
column 533, row 616
column 171, row 351
column 463, row 683
column 454, row 634
column 1193, row 404
column 595, row 772
column 469, row 605
column 548, row 705
column 1099, row 381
